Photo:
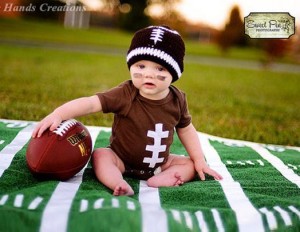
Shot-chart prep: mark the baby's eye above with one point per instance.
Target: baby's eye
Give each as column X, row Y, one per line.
column 161, row 69
column 141, row 66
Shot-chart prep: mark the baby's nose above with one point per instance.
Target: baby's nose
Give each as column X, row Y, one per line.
column 149, row 74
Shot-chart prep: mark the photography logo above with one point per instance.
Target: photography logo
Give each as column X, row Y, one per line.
column 269, row 25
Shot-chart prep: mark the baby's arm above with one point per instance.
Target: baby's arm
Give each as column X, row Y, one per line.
column 189, row 138
column 75, row 108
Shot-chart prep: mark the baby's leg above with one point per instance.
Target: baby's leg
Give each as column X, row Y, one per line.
column 175, row 172
column 108, row 168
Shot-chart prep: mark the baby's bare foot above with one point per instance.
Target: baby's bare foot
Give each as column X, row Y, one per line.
column 167, row 179
column 179, row 180
column 123, row 189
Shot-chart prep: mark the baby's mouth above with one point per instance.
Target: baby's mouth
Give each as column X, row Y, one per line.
column 149, row 84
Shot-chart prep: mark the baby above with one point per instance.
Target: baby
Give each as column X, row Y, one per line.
column 147, row 111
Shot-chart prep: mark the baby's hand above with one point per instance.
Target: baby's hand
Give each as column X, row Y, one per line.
column 203, row 169
column 52, row 121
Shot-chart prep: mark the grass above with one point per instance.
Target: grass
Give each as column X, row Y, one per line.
column 250, row 105
column 255, row 105
column 49, row 32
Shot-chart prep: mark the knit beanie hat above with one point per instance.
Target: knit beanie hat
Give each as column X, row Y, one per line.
column 159, row 44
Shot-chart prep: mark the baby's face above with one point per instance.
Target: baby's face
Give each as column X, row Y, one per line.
column 152, row 79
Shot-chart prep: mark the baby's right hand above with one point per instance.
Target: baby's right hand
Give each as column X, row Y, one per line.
column 51, row 121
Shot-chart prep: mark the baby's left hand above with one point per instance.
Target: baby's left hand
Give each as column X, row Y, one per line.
column 203, row 169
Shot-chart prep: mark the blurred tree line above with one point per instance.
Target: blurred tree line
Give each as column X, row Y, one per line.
column 129, row 15
column 132, row 15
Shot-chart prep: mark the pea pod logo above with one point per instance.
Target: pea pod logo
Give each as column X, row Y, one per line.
column 269, row 25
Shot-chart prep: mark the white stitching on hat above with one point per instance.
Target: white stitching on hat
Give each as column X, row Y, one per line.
column 157, row 35
column 156, row 53
column 166, row 29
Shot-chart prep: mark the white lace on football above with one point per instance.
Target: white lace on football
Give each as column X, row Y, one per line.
column 64, row 127
column 156, row 53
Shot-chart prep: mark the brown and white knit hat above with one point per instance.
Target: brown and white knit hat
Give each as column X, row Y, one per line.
column 159, row 44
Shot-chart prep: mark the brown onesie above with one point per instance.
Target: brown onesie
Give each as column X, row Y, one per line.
column 143, row 129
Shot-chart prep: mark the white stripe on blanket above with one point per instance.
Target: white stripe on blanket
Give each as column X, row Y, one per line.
column 237, row 199
column 287, row 172
column 9, row 152
column 62, row 198
column 154, row 218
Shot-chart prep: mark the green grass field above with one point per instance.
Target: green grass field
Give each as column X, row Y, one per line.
column 255, row 105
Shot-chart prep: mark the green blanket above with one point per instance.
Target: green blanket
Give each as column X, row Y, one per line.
column 260, row 191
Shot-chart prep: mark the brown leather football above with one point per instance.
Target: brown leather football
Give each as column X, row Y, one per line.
column 61, row 153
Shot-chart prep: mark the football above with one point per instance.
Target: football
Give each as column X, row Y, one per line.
column 60, row 154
